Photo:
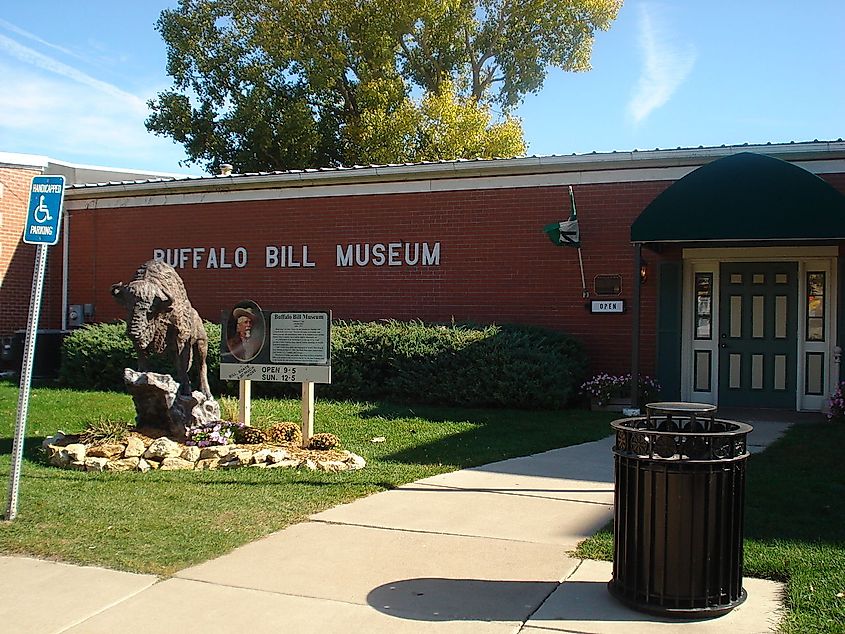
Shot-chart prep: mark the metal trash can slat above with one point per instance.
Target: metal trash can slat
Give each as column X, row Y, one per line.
column 679, row 512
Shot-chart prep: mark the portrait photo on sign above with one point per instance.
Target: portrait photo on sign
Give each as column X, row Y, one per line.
column 245, row 331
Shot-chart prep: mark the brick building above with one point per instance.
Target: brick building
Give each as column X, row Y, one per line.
column 738, row 251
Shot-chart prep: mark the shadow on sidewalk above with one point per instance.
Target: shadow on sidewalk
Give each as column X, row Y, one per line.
column 436, row 599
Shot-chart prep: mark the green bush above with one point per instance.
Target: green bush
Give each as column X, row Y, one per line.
column 94, row 356
column 498, row 366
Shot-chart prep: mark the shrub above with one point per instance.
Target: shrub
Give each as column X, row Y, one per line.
column 498, row 366
column 245, row 435
column 323, row 441
column 836, row 404
column 603, row 387
column 207, row 434
column 94, row 356
column 105, row 430
column 285, row 432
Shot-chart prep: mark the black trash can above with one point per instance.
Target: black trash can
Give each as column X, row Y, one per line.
column 679, row 511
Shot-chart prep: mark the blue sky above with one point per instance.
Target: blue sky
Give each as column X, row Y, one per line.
column 77, row 74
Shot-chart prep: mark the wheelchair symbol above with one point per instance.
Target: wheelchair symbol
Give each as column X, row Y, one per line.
column 42, row 213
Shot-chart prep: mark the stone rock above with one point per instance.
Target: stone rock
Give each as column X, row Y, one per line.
column 238, row 457
column 204, row 464
column 260, row 456
column 355, row 462
column 96, row 464
column 154, row 464
column 215, row 451
column 278, row 455
column 123, row 464
column 77, row 465
column 308, row 464
column 153, row 394
column 331, row 466
column 134, row 448
column 259, row 465
column 76, row 452
column 158, row 403
column 55, row 439
column 55, row 456
column 143, row 465
column 189, row 411
column 191, row 454
column 243, row 456
column 162, row 448
column 284, row 464
column 106, row 450
column 175, row 464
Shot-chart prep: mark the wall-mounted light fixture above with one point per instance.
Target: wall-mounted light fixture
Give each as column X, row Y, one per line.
column 643, row 271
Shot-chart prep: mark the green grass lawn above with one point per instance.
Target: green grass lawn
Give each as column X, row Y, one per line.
column 160, row 522
column 794, row 525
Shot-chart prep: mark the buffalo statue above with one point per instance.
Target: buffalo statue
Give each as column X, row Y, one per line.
column 160, row 318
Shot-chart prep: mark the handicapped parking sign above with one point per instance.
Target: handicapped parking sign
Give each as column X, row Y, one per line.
column 45, row 210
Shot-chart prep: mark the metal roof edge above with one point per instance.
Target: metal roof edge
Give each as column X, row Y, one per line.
column 14, row 159
column 464, row 168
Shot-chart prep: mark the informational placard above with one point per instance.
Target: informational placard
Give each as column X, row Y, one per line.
column 295, row 346
column 607, row 306
column 301, row 338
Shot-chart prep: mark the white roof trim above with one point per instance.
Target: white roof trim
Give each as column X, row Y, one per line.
column 13, row 159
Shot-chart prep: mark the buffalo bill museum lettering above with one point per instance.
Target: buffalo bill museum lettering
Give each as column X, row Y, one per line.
column 298, row 256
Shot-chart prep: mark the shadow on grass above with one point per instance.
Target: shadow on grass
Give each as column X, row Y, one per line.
column 495, row 435
column 31, row 448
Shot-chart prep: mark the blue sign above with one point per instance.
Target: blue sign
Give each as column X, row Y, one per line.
column 45, row 210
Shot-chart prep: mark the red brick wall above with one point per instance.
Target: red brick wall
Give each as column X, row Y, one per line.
column 496, row 264
column 16, row 259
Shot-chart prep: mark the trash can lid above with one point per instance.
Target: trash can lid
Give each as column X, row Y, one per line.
column 680, row 407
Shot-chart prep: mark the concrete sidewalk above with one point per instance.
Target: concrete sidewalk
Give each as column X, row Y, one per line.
column 478, row 550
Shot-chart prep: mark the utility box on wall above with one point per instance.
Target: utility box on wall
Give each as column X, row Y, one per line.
column 75, row 316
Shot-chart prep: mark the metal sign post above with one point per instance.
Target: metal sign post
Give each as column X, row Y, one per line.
column 42, row 229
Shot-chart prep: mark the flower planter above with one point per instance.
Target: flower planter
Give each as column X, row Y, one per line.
column 613, row 405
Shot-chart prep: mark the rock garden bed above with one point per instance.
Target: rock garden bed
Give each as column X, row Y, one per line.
column 145, row 450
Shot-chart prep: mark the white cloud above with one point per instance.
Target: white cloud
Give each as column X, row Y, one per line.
column 50, row 107
column 666, row 65
column 67, row 120
column 32, row 57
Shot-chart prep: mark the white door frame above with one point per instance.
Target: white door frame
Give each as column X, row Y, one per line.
column 707, row 260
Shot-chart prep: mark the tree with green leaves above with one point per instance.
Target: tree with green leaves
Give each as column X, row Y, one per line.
column 284, row 84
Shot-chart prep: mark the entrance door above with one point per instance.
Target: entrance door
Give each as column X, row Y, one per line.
column 758, row 323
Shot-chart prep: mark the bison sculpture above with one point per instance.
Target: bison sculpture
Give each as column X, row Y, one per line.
column 160, row 318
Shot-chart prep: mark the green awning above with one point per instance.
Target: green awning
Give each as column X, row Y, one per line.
column 744, row 197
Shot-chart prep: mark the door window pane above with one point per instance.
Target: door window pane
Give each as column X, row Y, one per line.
column 736, row 315
column 780, row 316
column 736, row 278
column 701, row 381
column 781, row 278
column 815, row 306
column 733, row 371
column 758, row 278
column 758, row 316
column 815, row 372
column 780, row 372
column 756, row 371
column 703, row 305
